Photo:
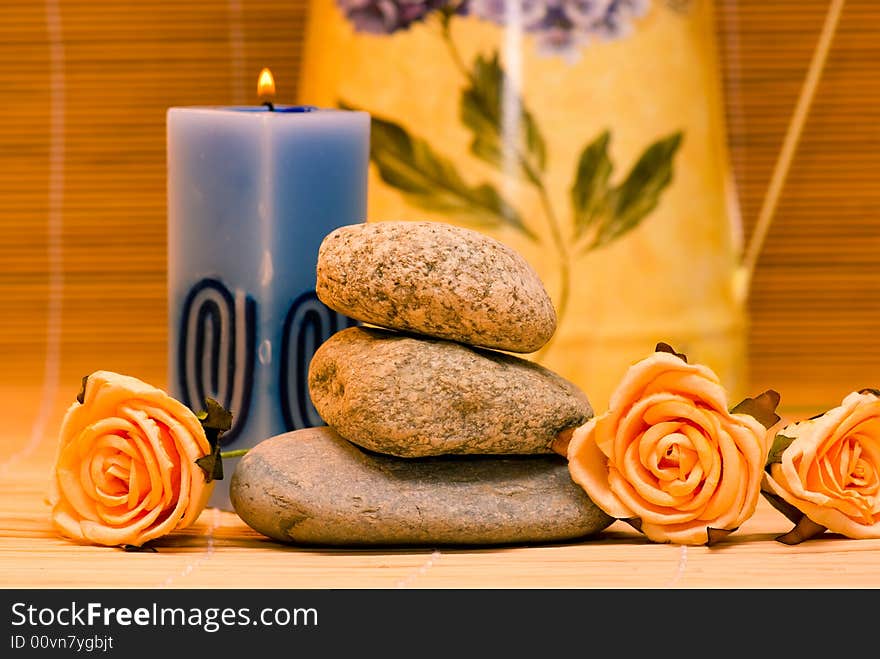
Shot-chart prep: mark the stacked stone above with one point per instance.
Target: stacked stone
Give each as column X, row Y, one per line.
column 435, row 433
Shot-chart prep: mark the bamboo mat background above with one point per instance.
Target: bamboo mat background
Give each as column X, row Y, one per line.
column 815, row 300
column 84, row 87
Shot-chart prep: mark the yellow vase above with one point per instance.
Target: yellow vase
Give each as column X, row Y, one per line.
column 589, row 136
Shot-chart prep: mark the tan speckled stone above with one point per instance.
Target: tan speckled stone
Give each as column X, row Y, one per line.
column 410, row 396
column 311, row 486
column 438, row 280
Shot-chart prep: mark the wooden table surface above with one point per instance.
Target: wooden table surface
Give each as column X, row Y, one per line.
column 221, row 551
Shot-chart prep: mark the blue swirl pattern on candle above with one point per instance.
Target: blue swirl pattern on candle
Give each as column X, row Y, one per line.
column 216, row 351
column 252, row 192
column 308, row 323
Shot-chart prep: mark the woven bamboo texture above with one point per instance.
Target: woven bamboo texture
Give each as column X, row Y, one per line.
column 84, row 87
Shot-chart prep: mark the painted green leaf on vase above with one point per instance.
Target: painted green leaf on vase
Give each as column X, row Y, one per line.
column 630, row 202
column 432, row 182
column 590, row 189
column 505, row 133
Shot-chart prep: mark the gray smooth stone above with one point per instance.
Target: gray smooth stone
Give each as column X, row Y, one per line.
column 435, row 279
column 413, row 397
column 311, row 486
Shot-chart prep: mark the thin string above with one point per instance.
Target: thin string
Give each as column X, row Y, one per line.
column 427, row 565
column 202, row 558
column 789, row 146
column 681, row 567
column 237, row 54
column 51, row 364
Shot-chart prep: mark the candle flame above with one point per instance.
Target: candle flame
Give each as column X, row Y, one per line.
column 265, row 84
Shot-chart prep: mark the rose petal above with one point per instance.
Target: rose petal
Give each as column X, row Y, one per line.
column 155, row 454
column 688, row 533
column 70, row 462
column 644, row 482
column 642, row 508
column 588, row 468
column 654, row 446
column 726, row 487
column 665, row 373
column 834, row 520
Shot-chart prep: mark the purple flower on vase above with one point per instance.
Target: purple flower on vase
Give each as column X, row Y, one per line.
column 585, row 13
column 526, row 13
column 559, row 40
column 559, row 34
column 387, row 16
column 562, row 27
column 616, row 23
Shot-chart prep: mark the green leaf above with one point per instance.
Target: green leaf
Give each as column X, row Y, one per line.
column 714, row 536
column 215, row 420
column 591, row 183
column 762, row 407
column 804, row 529
column 665, row 347
column 780, row 443
column 139, row 549
column 791, row 513
column 212, row 465
column 81, row 396
column 432, row 182
column 630, row 202
column 487, row 104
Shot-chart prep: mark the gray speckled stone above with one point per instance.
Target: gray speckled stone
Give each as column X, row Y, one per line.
column 438, row 280
column 311, row 486
column 413, row 397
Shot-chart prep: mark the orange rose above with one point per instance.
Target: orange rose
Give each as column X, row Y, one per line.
column 668, row 457
column 126, row 469
column 827, row 470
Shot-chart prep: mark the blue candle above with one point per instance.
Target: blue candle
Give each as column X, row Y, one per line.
column 252, row 191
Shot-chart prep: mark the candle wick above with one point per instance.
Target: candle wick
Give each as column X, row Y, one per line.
column 269, row 105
